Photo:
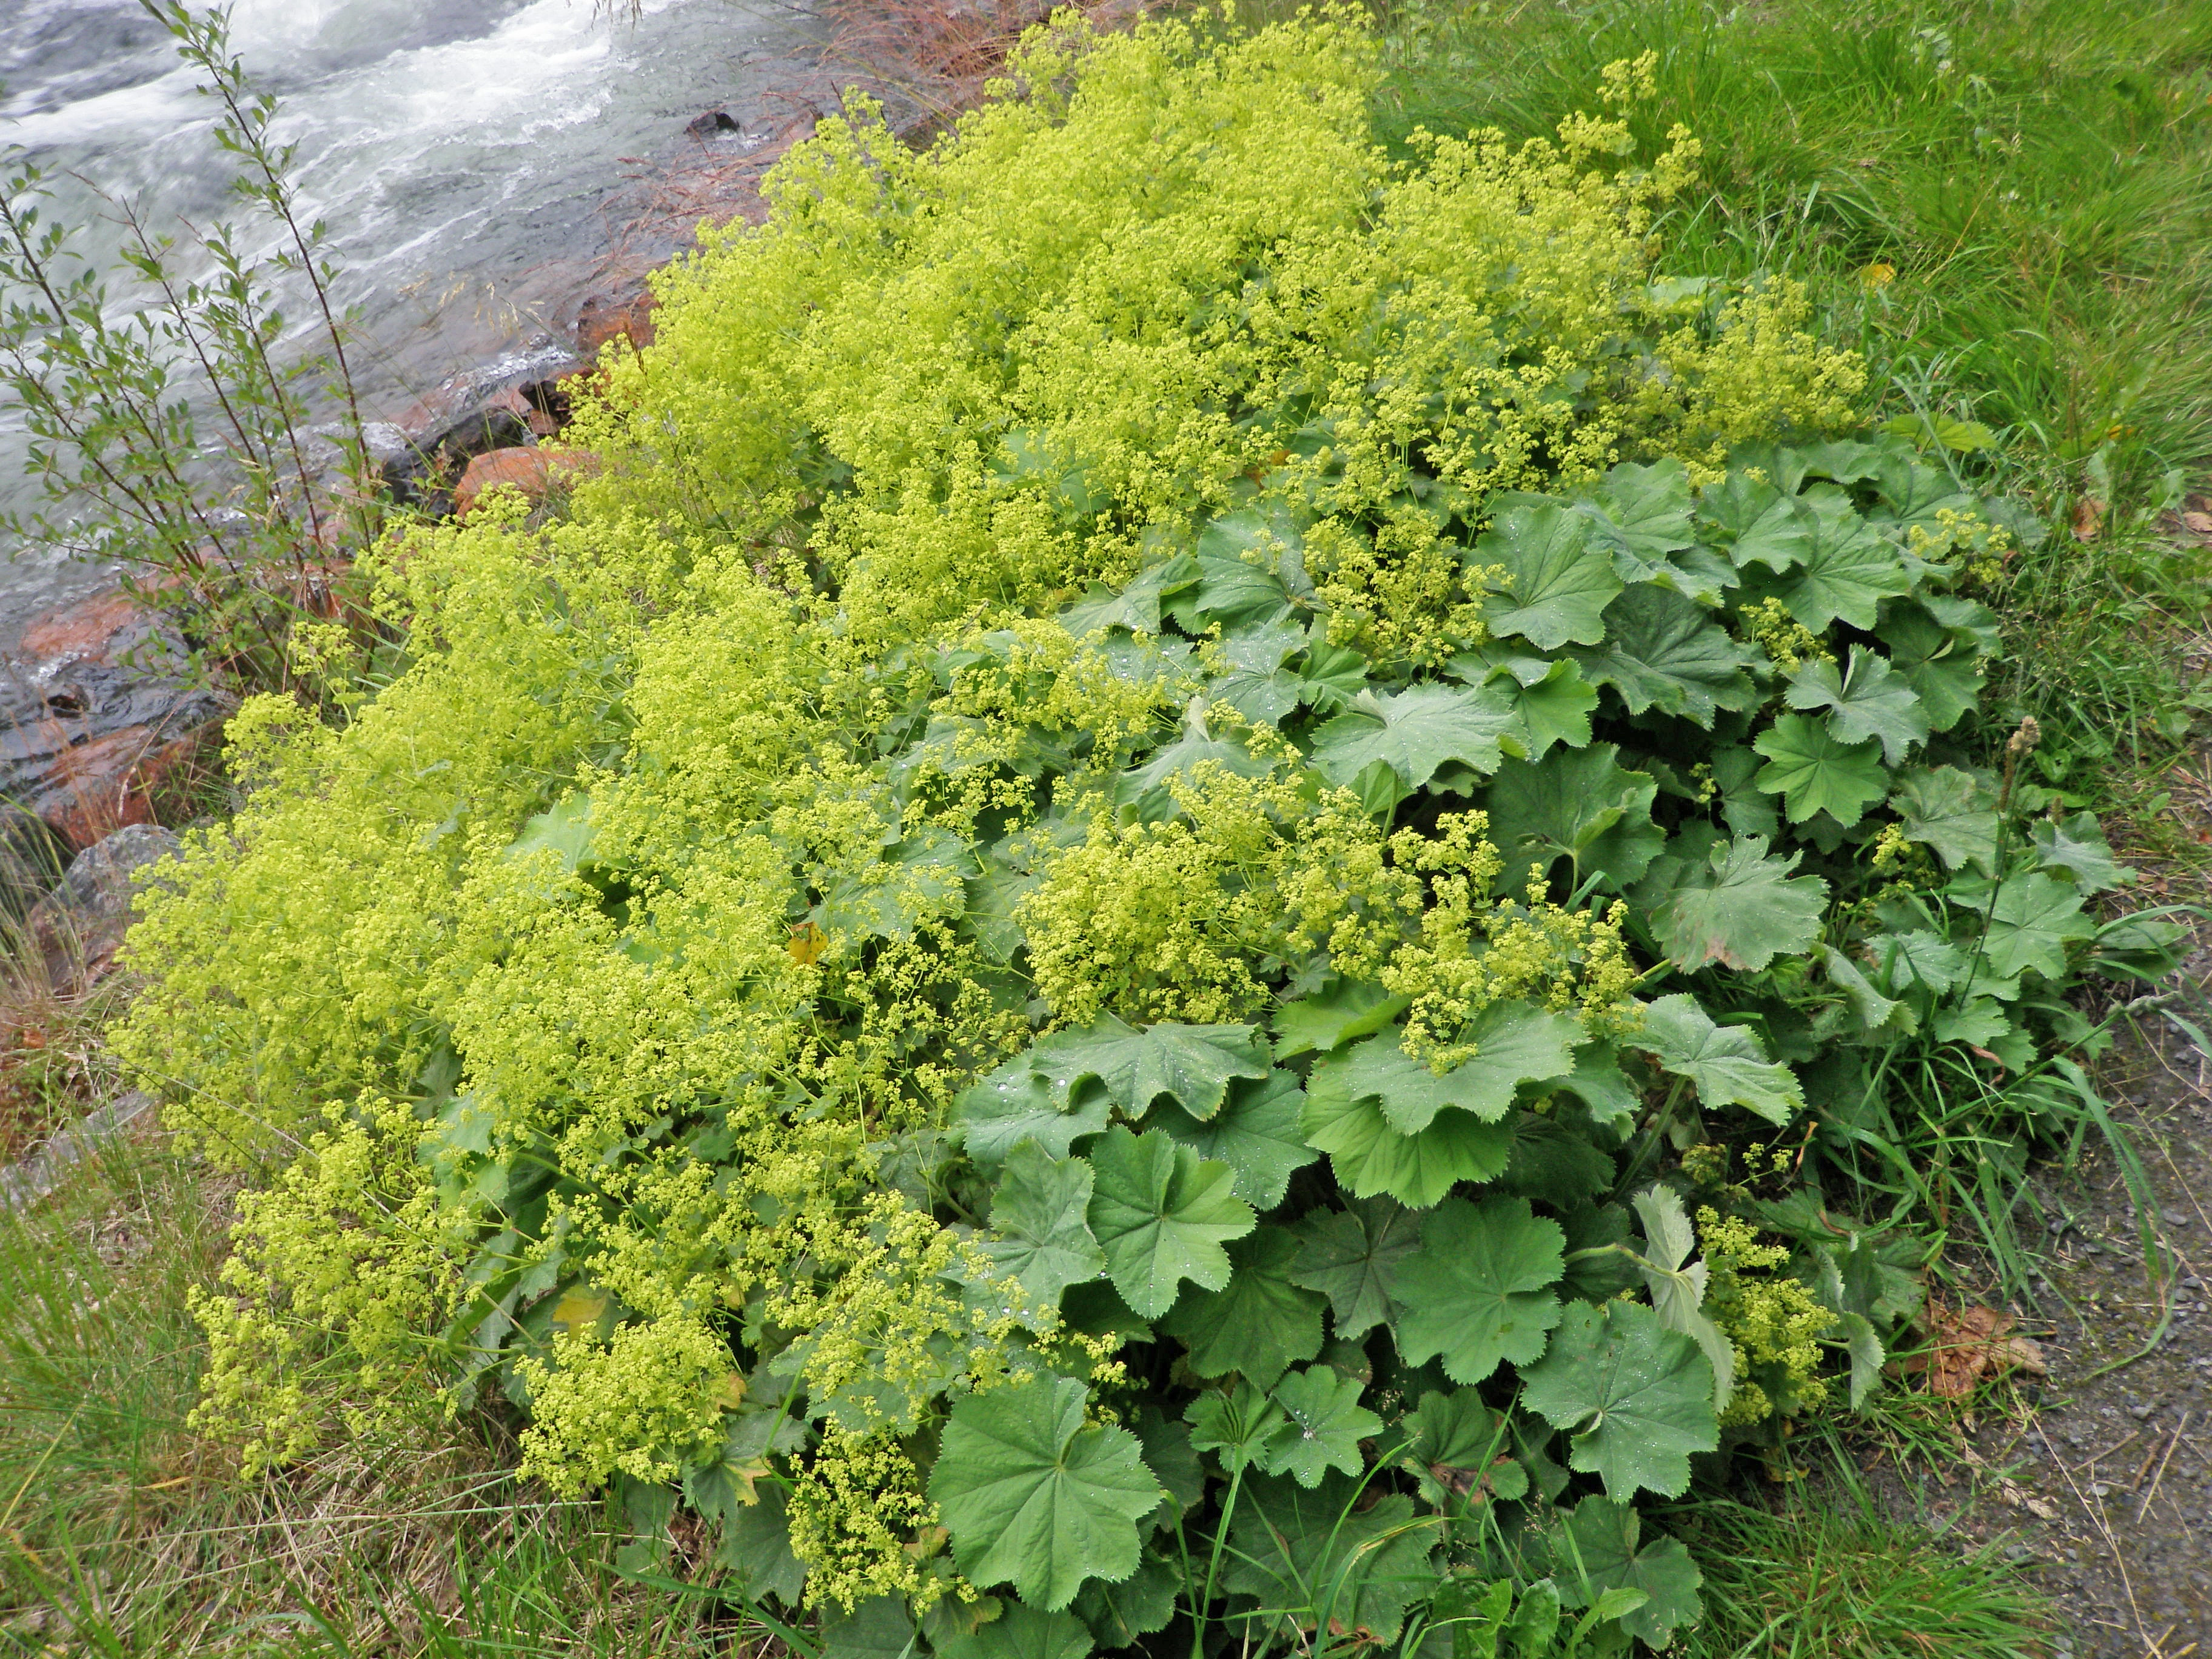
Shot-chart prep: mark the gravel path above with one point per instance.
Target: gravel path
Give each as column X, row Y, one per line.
column 2103, row 1493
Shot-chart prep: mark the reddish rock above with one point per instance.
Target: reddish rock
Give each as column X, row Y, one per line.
column 102, row 718
column 91, row 789
column 99, row 629
column 605, row 317
column 532, row 472
column 510, row 401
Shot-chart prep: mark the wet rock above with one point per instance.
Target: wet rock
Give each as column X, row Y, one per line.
column 714, row 124
column 502, row 405
column 624, row 313
column 80, row 925
column 534, row 472
column 101, row 719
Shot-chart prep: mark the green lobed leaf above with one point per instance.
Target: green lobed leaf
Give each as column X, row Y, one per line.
column 1598, row 1081
column 1516, row 1042
column 1535, row 1620
column 1479, row 1293
column 878, row 1628
column 1038, row 1215
column 1352, row 1256
column 1118, row 1615
column 1313, row 1560
column 1845, row 572
column 1326, row 1422
column 1741, row 910
column 1162, row 1214
column 1941, row 665
column 1371, row 1159
column 1875, row 1011
column 922, row 878
column 1919, row 957
column 1914, row 494
column 1641, row 514
column 1759, row 523
column 1455, row 1439
column 1238, row 1424
column 1034, row 1496
column 1815, row 772
column 564, row 829
column 2078, row 848
column 1258, row 1322
column 1239, row 559
column 1173, row 1460
column 1256, row 680
column 1258, row 1135
column 1951, row 812
column 1552, row 700
column 1335, row 673
column 1559, row 583
column 1013, row 1104
column 1606, row 1535
column 1555, row 1160
column 1417, row 732
column 1148, row 789
column 1637, row 1398
column 1192, row 1064
column 756, row 1547
column 2034, row 919
column 1348, row 1008
column 1663, row 651
column 1868, row 699
column 1980, row 1024
column 1725, row 1063
column 1677, row 1283
column 1583, row 806
column 1020, row 1631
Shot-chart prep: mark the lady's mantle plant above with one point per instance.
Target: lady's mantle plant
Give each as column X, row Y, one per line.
column 1052, row 955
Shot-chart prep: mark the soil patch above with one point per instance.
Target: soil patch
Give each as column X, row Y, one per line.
column 2102, row 1489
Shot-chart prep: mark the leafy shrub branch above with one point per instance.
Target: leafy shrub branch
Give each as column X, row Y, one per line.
column 171, row 425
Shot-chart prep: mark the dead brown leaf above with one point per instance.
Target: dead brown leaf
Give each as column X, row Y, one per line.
column 1968, row 1344
column 2200, row 523
column 2088, row 519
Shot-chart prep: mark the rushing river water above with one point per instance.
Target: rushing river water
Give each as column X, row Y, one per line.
column 456, row 148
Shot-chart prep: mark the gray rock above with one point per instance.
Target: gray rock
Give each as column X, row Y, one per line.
column 24, row 1184
column 81, row 924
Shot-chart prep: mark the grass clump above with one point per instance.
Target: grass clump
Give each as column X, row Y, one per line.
column 1844, row 1584
column 127, row 1533
column 1055, row 959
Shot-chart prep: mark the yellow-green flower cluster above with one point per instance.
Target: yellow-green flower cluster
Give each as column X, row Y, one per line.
column 1473, row 951
column 1788, row 643
column 1773, row 1320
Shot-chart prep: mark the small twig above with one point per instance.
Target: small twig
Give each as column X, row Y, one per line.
column 2173, row 1440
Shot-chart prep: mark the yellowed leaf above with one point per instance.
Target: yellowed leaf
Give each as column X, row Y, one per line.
column 745, row 1475
column 579, row 1308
